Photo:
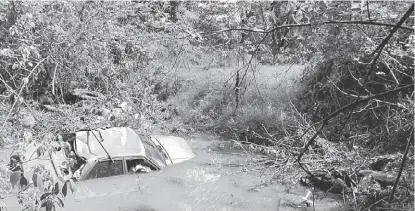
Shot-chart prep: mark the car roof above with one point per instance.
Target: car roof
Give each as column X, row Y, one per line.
column 117, row 141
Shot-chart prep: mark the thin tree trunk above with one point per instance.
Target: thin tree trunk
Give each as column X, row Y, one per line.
column 173, row 10
column 410, row 140
column 237, row 83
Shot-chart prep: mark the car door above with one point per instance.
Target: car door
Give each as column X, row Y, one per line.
column 105, row 178
column 106, row 168
column 108, row 178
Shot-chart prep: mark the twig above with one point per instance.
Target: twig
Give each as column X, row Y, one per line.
column 249, row 64
column 345, row 93
column 393, row 74
column 410, row 140
column 305, row 170
column 314, row 208
column 377, row 202
column 344, row 199
column 278, row 204
column 266, row 131
column 354, row 197
column 53, row 80
column 357, row 80
column 368, row 11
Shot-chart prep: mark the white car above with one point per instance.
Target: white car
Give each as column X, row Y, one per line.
column 111, row 152
column 105, row 162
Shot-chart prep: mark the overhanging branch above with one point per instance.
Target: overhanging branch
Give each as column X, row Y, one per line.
column 312, row 24
column 359, row 100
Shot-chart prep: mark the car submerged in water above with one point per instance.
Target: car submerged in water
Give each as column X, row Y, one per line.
column 92, row 154
column 106, row 162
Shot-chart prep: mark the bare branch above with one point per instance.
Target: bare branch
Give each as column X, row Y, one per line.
column 369, row 23
column 345, row 93
column 311, row 24
column 401, row 21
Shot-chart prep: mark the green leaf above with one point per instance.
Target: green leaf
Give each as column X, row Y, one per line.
column 56, row 189
column 72, row 185
column 65, row 189
column 15, row 177
column 44, row 196
column 34, row 179
column 40, row 184
column 23, row 182
column 49, row 205
column 60, row 202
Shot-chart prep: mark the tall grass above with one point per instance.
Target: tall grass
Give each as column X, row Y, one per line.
column 206, row 101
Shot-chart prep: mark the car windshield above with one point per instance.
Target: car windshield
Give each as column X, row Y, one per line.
column 153, row 152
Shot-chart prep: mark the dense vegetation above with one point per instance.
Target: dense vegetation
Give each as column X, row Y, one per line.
column 327, row 84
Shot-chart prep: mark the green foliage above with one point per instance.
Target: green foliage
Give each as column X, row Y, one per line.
column 75, row 45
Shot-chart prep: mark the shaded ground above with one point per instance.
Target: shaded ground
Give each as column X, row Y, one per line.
column 219, row 178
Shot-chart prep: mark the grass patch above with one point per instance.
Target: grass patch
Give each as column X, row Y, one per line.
column 207, row 100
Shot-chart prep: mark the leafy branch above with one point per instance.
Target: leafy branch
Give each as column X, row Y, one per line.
column 24, row 83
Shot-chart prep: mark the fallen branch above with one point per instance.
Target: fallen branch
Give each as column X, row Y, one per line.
column 51, row 108
column 344, row 108
column 84, row 94
column 380, row 176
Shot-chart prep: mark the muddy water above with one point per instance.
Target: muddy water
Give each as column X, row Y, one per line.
column 218, row 178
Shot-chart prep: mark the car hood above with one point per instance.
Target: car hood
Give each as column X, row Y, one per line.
column 177, row 148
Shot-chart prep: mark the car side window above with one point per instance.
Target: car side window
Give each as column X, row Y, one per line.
column 139, row 165
column 106, row 169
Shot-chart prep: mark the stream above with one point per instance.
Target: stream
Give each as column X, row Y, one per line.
column 220, row 177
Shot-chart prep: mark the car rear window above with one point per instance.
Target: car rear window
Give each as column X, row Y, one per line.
column 106, row 169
